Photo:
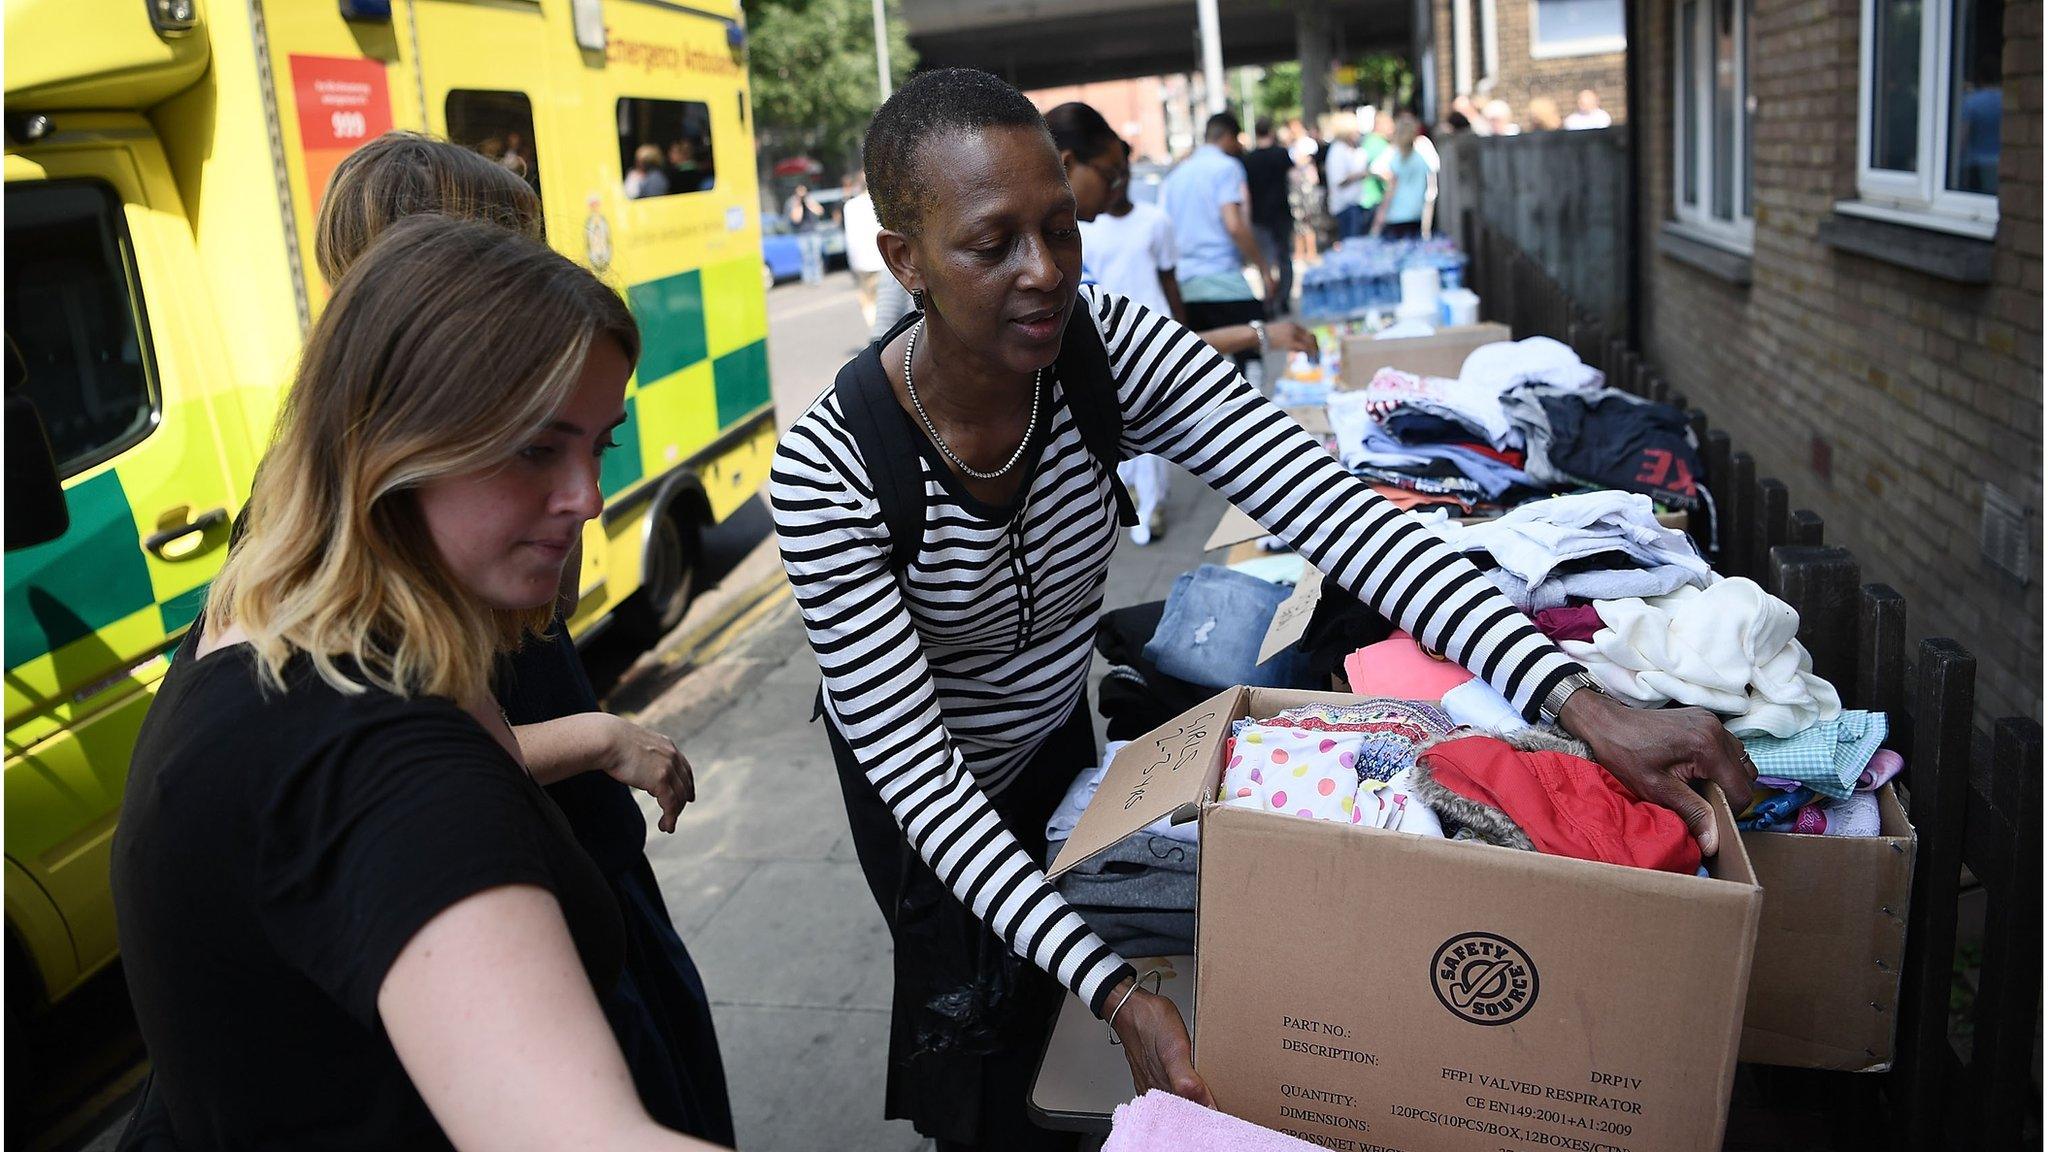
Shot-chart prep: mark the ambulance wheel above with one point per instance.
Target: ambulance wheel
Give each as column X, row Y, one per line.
column 669, row 579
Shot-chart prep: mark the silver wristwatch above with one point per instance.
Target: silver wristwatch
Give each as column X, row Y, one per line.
column 1259, row 330
column 1553, row 704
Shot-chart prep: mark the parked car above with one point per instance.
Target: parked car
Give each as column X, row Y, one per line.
column 781, row 257
column 830, row 200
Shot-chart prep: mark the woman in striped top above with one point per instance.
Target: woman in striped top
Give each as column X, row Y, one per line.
column 954, row 693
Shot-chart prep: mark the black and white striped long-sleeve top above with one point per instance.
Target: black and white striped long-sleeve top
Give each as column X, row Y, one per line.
column 945, row 683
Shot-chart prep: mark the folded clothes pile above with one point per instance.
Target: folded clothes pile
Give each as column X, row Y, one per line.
column 1419, row 440
column 1584, row 547
column 1606, row 439
column 1783, row 804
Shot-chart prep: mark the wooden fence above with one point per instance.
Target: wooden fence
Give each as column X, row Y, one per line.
column 1560, row 197
column 1974, row 806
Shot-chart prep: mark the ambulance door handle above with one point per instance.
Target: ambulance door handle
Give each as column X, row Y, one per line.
column 158, row 542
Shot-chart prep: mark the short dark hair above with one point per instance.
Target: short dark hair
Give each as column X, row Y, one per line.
column 1263, row 126
column 1220, row 125
column 932, row 104
column 1080, row 129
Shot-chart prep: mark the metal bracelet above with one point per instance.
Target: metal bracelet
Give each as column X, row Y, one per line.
column 1553, row 704
column 1158, row 979
column 1259, row 330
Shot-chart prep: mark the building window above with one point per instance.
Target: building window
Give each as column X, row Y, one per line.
column 665, row 147
column 1713, row 114
column 1575, row 28
column 1929, row 113
column 75, row 316
column 499, row 125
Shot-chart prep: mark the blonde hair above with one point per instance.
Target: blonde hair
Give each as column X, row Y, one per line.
column 402, row 174
column 447, row 348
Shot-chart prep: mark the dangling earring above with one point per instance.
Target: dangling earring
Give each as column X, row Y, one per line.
column 917, row 298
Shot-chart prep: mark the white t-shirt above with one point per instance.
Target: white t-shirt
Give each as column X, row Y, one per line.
column 1597, row 118
column 1125, row 254
column 863, row 254
column 1342, row 163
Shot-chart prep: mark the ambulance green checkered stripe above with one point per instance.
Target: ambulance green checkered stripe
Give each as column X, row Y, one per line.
column 183, row 608
column 671, row 315
column 620, row 468
column 740, row 379
column 83, row 581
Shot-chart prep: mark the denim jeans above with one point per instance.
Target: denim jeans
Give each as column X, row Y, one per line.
column 1210, row 633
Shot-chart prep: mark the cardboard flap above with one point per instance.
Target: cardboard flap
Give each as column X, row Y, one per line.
column 1235, row 528
column 1290, row 620
column 1313, row 418
column 1152, row 777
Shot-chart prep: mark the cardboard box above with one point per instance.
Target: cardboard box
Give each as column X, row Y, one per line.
column 1830, row 946
column 1442, row 354
column 1379, row 990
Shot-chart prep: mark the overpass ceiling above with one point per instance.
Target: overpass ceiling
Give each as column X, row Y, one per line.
column 1044, row 43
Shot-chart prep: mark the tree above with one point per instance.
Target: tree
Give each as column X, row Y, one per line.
column 1278, row 97
column 1386, row 81
column 813, row 69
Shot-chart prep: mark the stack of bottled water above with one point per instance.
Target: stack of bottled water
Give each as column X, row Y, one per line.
column 1363, row 276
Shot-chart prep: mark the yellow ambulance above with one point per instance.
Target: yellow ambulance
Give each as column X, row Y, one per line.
column 164, row 163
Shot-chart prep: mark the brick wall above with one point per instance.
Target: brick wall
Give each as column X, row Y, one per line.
column 1924, row 389
column 1522, row 77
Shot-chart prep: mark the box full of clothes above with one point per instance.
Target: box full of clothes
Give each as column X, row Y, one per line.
column 1447, row 937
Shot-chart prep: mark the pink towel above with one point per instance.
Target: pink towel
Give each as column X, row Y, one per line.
column 1162, row 1122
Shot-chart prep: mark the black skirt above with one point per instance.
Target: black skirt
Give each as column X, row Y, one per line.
column 968, row 1016
column 658, row 1010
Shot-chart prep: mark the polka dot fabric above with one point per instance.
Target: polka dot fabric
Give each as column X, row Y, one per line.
column 1296, row 771
column 1325, row 765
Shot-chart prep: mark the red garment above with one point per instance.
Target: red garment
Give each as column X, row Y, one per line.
column 1567, row 806
column 1575, row 623
column 1511, row 457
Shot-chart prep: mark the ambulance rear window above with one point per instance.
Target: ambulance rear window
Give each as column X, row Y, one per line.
column 665, row 147
column 74, row 313
column 499, row 125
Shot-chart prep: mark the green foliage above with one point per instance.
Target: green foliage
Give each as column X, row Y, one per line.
column 1278, row 96
column 813, row 71
column 1384, row 78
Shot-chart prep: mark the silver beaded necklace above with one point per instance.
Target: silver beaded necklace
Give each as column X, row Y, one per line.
column 1015, row 457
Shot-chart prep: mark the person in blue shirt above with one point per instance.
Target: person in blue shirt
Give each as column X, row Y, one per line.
column 1411, row 184
column 1206, row 198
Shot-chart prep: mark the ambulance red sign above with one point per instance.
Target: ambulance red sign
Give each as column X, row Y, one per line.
column 343, row 102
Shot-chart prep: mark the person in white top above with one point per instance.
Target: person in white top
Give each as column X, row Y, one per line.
column 1589, row 113
column 1345, row 170
column 1128, row 249
column 863, row 254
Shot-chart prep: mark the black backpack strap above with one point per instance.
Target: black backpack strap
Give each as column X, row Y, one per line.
column 873, row 419
column 1091, row 397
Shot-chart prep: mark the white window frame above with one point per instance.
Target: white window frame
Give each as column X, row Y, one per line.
column 1920, row 198
column 1590, row 46
column 1697, row 220
column 1461, row 47
column 1489, row 30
